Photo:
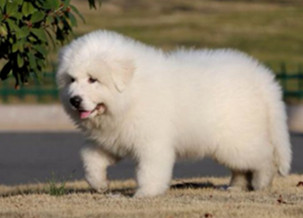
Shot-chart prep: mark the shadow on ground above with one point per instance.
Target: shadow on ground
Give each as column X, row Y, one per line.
column 60, row 189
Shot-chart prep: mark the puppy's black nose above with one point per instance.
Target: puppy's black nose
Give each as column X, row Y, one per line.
column 76, row 101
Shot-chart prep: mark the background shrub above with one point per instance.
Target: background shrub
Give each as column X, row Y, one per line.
column 28, row 31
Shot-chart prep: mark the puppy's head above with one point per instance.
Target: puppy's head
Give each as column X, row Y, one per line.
column 90, row 79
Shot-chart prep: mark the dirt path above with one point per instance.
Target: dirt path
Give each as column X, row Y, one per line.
column 202, row 197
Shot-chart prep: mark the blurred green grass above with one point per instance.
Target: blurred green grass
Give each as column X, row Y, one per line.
column 271, row 31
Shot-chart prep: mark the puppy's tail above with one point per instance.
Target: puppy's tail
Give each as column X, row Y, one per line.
column 278, row 128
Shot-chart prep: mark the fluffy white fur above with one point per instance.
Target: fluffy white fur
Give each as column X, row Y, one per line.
column 157, row 107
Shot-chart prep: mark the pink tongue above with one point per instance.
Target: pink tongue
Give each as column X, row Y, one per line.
column 84, row 114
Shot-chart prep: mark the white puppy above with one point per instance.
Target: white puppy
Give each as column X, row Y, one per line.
column 133, row 100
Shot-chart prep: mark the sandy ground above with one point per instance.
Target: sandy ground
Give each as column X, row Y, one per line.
column 200, row 197
column 53, row 118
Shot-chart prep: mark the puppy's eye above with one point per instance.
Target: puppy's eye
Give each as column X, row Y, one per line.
column 72, row 79
column 92, row 80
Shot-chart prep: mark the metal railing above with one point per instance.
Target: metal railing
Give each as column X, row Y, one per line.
column 41, row 90
column 291, row 82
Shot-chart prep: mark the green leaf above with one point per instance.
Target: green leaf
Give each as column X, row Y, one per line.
column 37, row 16
column 2, row 4
column 15, row 47
column 75, row 10
column 32, row 60
column 40, row 64
column 18, row 15
column 5, row 70
column 22, row 33
column 66, row 24
column 28, row 8
column 49, row 20
column 12, row 7
column 18, row 46
column 12, row 25
column 51, row 4
column 72, row 19
column 3, row 30
column 32, row 39
column 66, row 2
column 20, row 60
column 50, row 37
column 41, row 50
column 39, row 33
column 11, row 40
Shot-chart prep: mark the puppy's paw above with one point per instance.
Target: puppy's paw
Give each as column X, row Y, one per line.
column 142, row 193
column 101, row 188
column 99, row 185
column 234, row 189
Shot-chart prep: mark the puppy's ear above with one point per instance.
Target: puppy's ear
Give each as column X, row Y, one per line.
column 123, row 73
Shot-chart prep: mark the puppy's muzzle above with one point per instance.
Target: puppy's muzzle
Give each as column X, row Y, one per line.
column 75, row 101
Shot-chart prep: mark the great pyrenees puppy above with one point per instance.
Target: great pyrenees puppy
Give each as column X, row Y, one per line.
column 134, row 100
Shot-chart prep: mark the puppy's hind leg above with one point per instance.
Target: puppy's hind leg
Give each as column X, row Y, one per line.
column 95, row 163
column 240, row 181
column 263, row 177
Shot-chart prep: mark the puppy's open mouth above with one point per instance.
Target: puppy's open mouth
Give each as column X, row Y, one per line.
column 100, row 108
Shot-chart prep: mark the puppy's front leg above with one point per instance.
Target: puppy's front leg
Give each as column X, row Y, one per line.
column 154, row 170
column 95, row 162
